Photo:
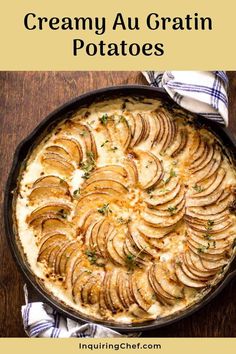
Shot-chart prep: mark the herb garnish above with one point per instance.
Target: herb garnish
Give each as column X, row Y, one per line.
column 104, row 210
column 86, row 175
column 92, row 257
column 207, row 236
column 164, row 190
column 172, row 174
column 88, row 271
column 130, row 261
column 122, row 220
column 105, row 142
column 114, row 148
column 76, row 192
column 209, row 224
column 202, row 249
column 198, row 188
column 122, row 120
column 88, row 165
column 62, row 213
column 104, row 119
column 91, row 123
column 149, row 163
column 83, row 133
column 150, row 190
column 172, row 209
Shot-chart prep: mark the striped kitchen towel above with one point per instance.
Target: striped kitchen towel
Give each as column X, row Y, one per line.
column 40, row 320
column 202, row 92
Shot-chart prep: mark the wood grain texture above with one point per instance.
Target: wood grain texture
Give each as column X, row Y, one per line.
column 27, row 97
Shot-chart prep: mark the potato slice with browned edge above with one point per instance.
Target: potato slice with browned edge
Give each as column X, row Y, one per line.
column 54, row 163
column 150, row 170
column 72, row 146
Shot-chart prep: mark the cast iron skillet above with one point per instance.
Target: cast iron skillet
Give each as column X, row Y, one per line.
column 34, row 138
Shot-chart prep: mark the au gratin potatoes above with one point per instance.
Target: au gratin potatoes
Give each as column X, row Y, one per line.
column 126, row 210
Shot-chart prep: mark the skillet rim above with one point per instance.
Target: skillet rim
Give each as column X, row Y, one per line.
column 26, row 146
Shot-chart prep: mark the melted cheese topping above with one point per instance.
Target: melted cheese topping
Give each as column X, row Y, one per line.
column 125, row 211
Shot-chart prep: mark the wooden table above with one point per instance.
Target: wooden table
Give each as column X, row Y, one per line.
column 27, row 97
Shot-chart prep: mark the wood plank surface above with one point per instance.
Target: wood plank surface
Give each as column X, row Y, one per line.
column 25, row 99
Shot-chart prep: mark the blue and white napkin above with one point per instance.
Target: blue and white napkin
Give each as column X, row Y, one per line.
column 40, row 320
column 202, row 92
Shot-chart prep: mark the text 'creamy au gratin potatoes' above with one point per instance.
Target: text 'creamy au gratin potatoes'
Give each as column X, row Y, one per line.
column 126, row 211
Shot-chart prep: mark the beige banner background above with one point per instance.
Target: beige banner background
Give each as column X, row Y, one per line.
column 52, row 50
column 168, row 345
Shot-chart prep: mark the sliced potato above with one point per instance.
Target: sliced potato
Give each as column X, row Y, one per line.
column 113, row 292
column 50, row 239
column 91, row 289
column 51, row 180
column 104, row 184
column 115, row 169
column 79, row 284
column 199, row 153
column 140, row 241
column 168, row 195
column 152, row 129
column 44, row 254
column 72, row 146
column 123, row 280
column 170, row 287
column 153, row 232
column 87, row 136
column 186, row 280
column 92, row 242
column 204, row 160
column 150, row 170
column 43, row 193
column 160, row 293
column 114, row 250
column 132, row 171
column 94, row 294
column 103, row 235
column 55, row 224
column 58, row 209
column 167, row 130
column 139, row 127
column 54, row 163
column 182, row 140
column 58, row 150
column 162, row 222
column 210, row 168
column 141, row 290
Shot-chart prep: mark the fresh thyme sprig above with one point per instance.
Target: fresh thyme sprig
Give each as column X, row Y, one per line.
column 104, row 210
column 88, row 165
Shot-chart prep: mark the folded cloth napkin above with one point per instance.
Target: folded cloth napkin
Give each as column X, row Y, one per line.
column 40, row 320
column 202, row 92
